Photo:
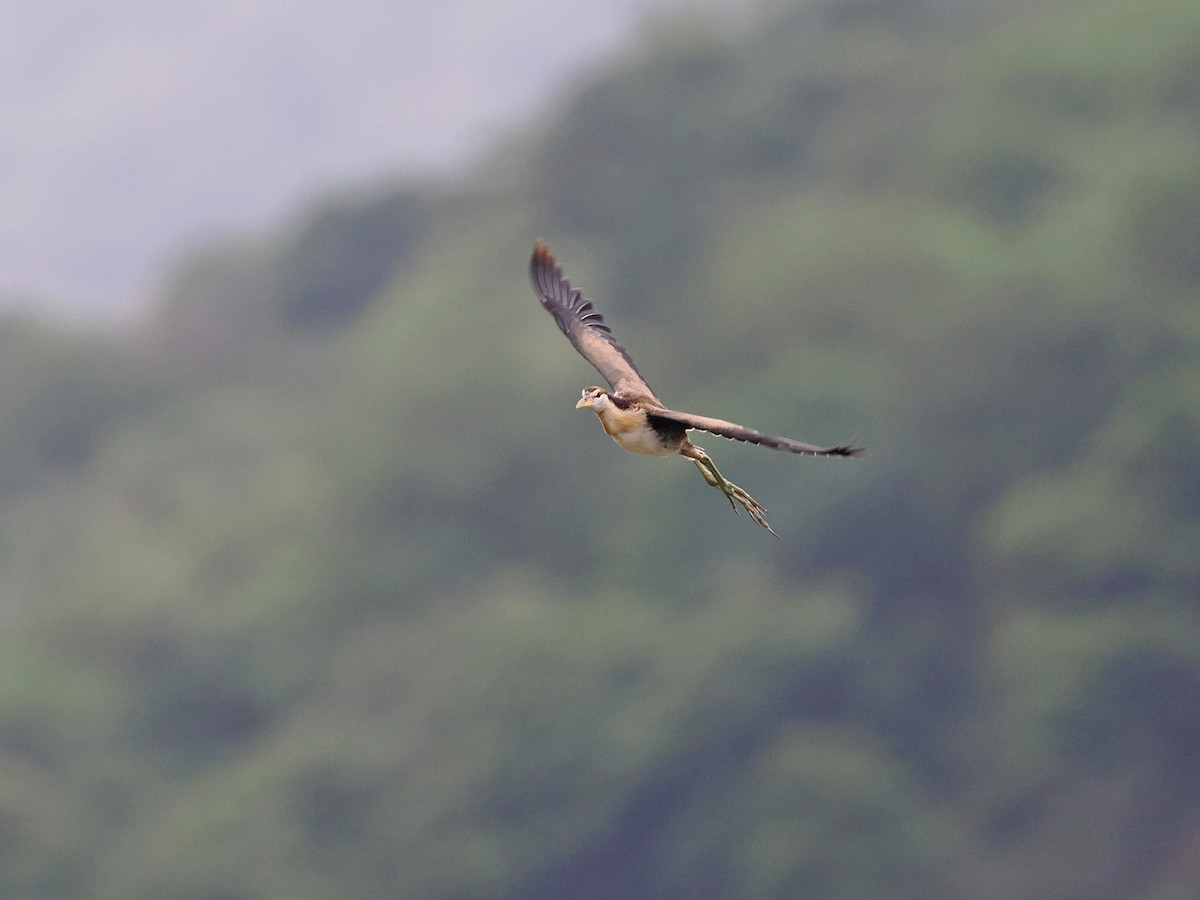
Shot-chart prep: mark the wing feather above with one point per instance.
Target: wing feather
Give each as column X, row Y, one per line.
column 742, row 433
column 583, row 326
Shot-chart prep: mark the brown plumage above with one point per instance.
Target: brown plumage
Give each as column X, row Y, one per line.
column 631, row 413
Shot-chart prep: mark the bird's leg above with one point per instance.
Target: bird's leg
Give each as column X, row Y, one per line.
column 731, row 491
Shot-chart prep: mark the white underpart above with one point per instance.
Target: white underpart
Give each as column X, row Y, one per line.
column 644, row 441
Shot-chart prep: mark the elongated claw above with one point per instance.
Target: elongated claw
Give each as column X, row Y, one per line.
column 753, row 507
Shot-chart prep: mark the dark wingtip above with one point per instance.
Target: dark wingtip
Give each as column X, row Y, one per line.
column 544, row 273
column 845, row 450
column 542, row 255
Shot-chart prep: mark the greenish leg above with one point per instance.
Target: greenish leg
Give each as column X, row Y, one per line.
column 717, row 480
column 731, row 491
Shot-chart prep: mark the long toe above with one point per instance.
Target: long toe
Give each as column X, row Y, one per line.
column 753, row 507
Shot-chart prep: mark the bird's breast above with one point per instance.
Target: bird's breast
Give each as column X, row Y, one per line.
column 633, row 431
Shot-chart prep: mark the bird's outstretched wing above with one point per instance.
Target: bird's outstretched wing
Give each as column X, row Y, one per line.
column 583, row 326
column 742, row 433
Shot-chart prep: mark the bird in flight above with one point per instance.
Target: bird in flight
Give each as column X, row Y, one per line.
column 631, row 413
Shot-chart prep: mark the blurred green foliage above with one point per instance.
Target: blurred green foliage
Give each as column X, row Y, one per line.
column 315, row 586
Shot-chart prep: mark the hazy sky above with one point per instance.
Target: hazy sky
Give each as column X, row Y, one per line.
column 133, row 128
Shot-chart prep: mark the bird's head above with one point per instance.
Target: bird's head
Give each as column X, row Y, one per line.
column 594, row 397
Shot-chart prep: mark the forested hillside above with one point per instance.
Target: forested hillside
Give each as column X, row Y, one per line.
column 316, row 586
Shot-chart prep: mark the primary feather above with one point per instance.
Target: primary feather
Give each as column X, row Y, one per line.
column 749, row 435
column 583, row 326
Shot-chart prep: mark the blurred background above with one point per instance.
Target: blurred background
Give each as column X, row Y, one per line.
column 135, row 131
column 314, row 585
